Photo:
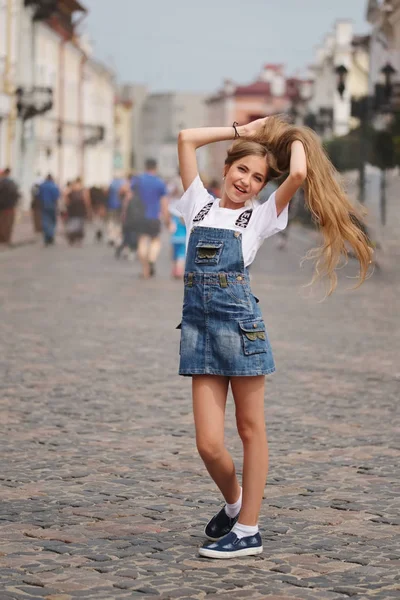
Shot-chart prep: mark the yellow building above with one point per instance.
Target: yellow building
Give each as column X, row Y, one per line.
column 9, row 14
column 123, row 136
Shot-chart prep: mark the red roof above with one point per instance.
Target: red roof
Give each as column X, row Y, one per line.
column 262, row 88
column 258, row 88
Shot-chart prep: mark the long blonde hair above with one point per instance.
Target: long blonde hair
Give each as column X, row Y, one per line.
column 337, row 219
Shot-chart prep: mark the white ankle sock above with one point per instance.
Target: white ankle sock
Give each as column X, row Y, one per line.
column 244, row 530
column 232, row 510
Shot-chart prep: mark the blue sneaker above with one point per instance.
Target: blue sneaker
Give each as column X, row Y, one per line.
column 230, row 546
column 219, row 525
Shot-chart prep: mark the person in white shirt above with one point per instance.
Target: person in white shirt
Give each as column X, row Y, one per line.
column 223, row 335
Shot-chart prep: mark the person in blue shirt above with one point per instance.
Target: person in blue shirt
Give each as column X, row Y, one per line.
column 49, row 194
column 152, row 192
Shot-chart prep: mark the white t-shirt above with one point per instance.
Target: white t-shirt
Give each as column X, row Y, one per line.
column 255, row 221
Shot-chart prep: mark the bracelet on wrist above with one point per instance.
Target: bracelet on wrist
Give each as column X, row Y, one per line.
column 235, row 124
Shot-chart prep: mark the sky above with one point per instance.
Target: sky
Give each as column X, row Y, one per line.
column 193, row 45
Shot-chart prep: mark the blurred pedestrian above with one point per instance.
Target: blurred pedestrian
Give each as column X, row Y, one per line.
column 48, row 194
column 9, row 195
column 35, row 204
column 153, row 194
column 78, row 210
column 98, row 201
column 116, row 191
column 132, row 219
column 178, row 232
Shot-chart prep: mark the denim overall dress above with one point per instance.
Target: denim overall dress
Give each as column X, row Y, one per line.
column 222, row 329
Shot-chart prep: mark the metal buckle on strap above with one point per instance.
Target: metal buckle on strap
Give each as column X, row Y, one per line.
column 223, row 281
column 190, row 280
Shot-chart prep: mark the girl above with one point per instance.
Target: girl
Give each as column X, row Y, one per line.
column 223, row 336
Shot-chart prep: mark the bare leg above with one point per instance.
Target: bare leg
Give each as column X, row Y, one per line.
column 248, row 393
column 154, row 250
column 143, row 254
column 180, row 267
column 209, row 400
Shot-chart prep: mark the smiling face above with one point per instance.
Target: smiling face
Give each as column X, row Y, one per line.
column 244, row 179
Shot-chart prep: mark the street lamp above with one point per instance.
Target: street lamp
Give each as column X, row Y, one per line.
column 365, row 109
column 341, row 72
column 388, row 71
column 386, row 143
column 33, row 101
column 96, row 135
column 383, row 91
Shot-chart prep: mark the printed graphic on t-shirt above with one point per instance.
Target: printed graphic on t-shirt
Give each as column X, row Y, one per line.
column 244, row 218
column 203, row 212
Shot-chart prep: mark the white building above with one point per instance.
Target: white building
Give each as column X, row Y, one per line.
column 65, row 124
column 136, row 95
column 163, row 116
column 97, row 123
column 340, row 48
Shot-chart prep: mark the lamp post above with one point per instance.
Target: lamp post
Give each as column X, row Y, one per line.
column 365, row 109
column 384, row 138
column 341, row 72
column 30, row 103
column 388, row 71
column 33, row 101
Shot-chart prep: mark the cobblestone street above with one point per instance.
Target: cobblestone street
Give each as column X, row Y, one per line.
column 103, row 493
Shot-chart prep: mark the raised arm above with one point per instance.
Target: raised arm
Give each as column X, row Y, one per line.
column 297, row 175
column 191, row 139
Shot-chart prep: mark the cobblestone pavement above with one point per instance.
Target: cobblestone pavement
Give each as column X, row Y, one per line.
column 103, row 494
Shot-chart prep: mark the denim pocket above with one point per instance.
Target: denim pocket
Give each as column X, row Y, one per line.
column 208, row 252
column 239, row 294
column 254, row 336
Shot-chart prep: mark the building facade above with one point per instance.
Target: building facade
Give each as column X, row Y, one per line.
column 270, row 93
column 98, row 123
column 163, row 116
column 342, row 54
column 136, row 95
column 62, row 99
